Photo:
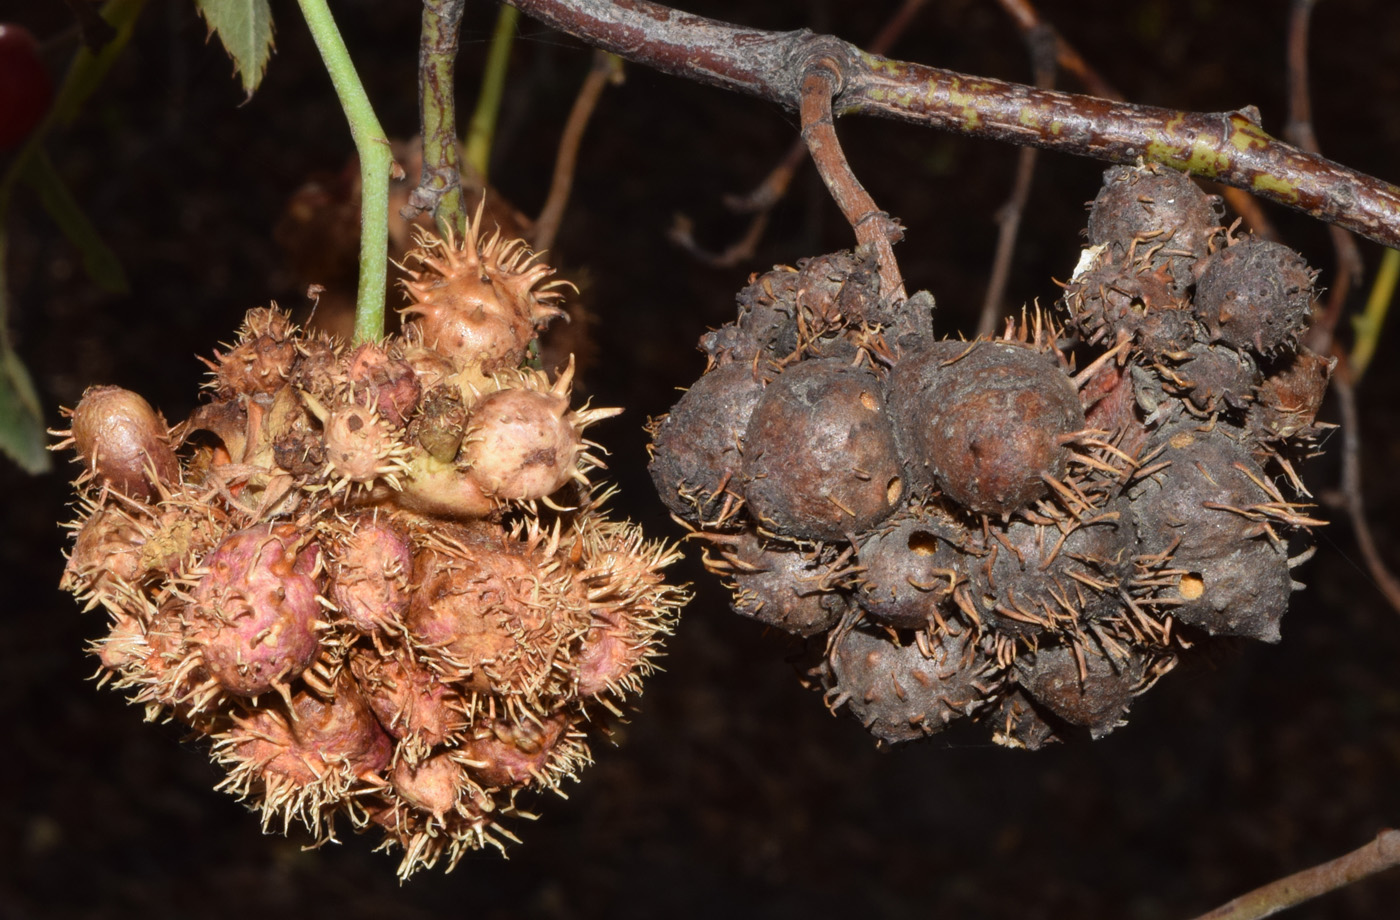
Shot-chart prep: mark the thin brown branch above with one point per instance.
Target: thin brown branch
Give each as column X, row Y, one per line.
column 1008, row 229
column 1300, row 131
column 1227, row 146
column 774, row 186
column 607, row 68
column 682, row 233
column 1352, row 495
column 896, row 26
column 1377, row 856
column 759, row 203
column 1029, row 20
column 439, row 190
column 1041, row 42
column 875, row 229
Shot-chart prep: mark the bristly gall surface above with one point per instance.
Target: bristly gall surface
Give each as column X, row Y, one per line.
column 986, row 423
column 377, row 579
column 1070, row 510
column 819, row 454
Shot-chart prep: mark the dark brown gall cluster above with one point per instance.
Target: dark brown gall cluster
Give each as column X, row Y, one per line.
column 982, row 530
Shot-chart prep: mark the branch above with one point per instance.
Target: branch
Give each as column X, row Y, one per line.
column 1299, row 130
column 439, row 189
column 1043, row 45
column 874, row 228
column 761, row 201
column 1029, row 21
column 1229, row 147
column 1344, row 385
column 606, row 69
column 1028, row 18
column 1377, row 856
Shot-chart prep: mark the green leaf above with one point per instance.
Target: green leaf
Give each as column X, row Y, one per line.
column 22, row 434
column 245, row 28
column 100, row 263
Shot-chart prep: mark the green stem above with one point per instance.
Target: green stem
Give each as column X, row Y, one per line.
column 375, row 164
column 488, row 103
column 21, row 412
column 1368, row 325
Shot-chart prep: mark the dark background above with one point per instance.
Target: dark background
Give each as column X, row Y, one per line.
column 732, row 791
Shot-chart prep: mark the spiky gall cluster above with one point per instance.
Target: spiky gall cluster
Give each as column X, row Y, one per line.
column 377, row 579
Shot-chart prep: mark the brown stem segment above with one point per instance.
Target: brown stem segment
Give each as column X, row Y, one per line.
column 1299, row 130
column 1229, row 147
column 1377, row 856
column 439, row 190
column 1352, row 495
column 606, row 69
column 897, row 25
column 1041, row 42
column 874, row 228
column 774, row 186
column 1029, row 21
